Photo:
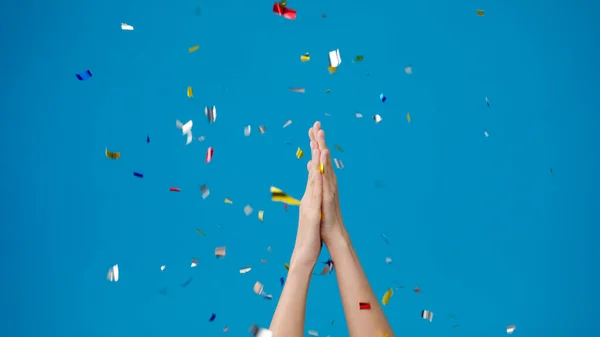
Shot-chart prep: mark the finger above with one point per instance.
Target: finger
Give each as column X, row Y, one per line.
column 321, row 139
column 317, row 179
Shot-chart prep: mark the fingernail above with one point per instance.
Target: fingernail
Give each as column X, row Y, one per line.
column 321, row 168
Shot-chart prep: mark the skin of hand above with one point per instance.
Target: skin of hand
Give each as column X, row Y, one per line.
column 352, row 280
column 289, row 316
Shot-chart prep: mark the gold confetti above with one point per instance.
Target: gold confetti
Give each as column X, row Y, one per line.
column 227, row 201
column 299, row 153
column 193, row 49
column 190, row 92
column 261, row 215
column 321, row 168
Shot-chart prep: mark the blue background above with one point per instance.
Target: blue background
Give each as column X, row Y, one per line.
column 479, row 224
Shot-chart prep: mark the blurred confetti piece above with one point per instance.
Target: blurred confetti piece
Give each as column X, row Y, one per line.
column 298, row 90
column 338, row 163
column 408, row 117
column 194, row 263
column 220, row 252
column 334, row 58
column 364, row 306
column 225, row 329
column 486, row 133
column 205, row 191
column 138, row 174
column 287, row 267
column 327, row 91
column 480, row 12
column 408, row 70
column 388, row 260
column 190, row 92
column 263, row 261
column 260, row 332
column 386, row 297
column 262, row 129
column 288, row 123
column 299, row 153
column 282, row 281
column 428, row 315
column 487, row 102
column 247, row 130
column 338, row 147
column 248, row 210
column 175, row 189
column 258, row 288
column 377, row 119
column 510, row 329
column 211, row 113
column 163, row 267
column 193, row 49
column 331, row 69
column 269, row 249
column 386, row 334
column 187, row 282
column 199, row 232
column 201, row 138
column 125, row 26
column 212, row 317
column 227, row 201
column 245, row 270
column 358, row 115
column 113, row 273
column 280, row 196
column 417, row 290
column 321, row 168
column 313, row 333
column 305, row 57
column 382, row 98
column 261, row 215
column 209, row 154
column 359, row 58
column 112, row 155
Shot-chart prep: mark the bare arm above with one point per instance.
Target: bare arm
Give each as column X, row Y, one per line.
column 355, row 288
column 288, row 320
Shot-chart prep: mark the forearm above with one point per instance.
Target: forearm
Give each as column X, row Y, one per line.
column 355, row 288
column 288, row 320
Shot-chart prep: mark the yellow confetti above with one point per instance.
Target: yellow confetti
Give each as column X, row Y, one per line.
column 299, row 153
column 386, row 334
column 193, row 49
column 408, row 117
column 112, row 155
column 279, row 195
column 332, row 69
column 386, row 297
column 480, row 12
column 287, row 266
column 261, row 215
column 227, row 201
column 305, row 57
column 321, row 168
column 200, row 232
column 190, row 93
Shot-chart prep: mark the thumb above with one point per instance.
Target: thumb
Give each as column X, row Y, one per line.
column 317, row 177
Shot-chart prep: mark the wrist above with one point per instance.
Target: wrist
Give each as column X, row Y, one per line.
column 337, row 235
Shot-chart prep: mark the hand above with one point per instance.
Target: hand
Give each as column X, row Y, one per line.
column 332, row 224
column 308, row 239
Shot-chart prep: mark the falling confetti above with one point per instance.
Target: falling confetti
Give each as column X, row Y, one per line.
column 408, row 117
column 386, row 297
column 480, row 12
column 125, row 26
column 261, row 215
column 377, row 119
column 260, row 332
column 113, row 273
column 288, row 123
column 84, row 75
column 112, row 155
column 364, row 306
column 510, row 329
column 193, row 49
column 299, row 153
column 280, row 196
column 220, row 252
column 408, row 70
column 190, row 92
column 305, row 57
column 284, row 11
column 205, row 191
column 382, row 98
column 428, row 315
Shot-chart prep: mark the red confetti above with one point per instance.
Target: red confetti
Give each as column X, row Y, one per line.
column 364, row 305
column 287, row 13
column 209, row 154
column 175, row 189
column 417, row 290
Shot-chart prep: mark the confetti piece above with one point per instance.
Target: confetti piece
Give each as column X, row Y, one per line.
column 209, row 154
column 386, row 297
column 388, row 260
column 263, row 261
column 282, row 281
column 187, row 282
column 299, row 153
column 258, row 288
column 194, row 263
column 377, row 119
column 84, row 75
column 487, row 102
column 327, row 91
column 201, row 138
column 163, row 267
column 408, row 70
column 186, row 129
column 113, row 273
column 305, row 57
column 261, row 215
column 138, row 174
column 220, row 252
column 200, row 232
column 245, row 270
column 260, row 332
column 125, row 26
column 338, row 147
column 480, row 12
column 408, row 117
column 510, row 329
column 210, row 113
column 299, row 90
column 225, row 329
column 331, row 69
column 212, row 317
column 287, row 267
column 262, row 129
column 313, row 333
column 284, row 11
column 428, row 315
column 338, row 163
column 193, row 49
column 288, row 123
column 334, row 58
column 280, row 196
column 227, row 201
column 382, row 98
column 147, row 139
column 486, row 133
column 247, row 130
column 174, row 189
column 190, row 92
column 269, row 249
column 321, row 168
column 417, row 290
column 364, row 306
column 248, row 210
column 112, row 155
column 386, row 334
column 358, row 115
column 359, row 58
column 205, row 191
